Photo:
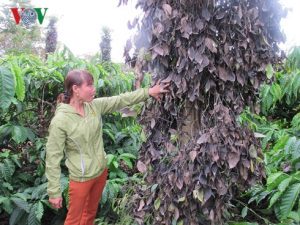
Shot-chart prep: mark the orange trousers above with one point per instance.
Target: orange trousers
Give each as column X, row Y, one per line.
column 84, row 199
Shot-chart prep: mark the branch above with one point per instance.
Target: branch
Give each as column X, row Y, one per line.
column 243, row 204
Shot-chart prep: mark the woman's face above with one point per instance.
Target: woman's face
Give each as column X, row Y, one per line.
column 85, row 92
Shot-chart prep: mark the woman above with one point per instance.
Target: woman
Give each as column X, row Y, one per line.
column 76, row 131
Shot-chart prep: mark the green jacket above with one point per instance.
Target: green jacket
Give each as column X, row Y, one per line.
column 80, row 138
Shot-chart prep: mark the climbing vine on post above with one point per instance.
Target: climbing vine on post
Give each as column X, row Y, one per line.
column 214, row 53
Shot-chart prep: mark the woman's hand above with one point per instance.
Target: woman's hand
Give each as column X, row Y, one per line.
column 56, row 202
column 158, row 89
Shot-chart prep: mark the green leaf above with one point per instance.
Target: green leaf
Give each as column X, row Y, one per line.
column 111, row 192
column 8, row 186
column 5, row 153
column 266, row 99
column 180, row 222
column 110, row 158
column 7, row 206
column 128, row 155
column 275, row 179
column 58, row 75
column 284, row 184
column 2, row 199
column 299, row 206
column 39, row 211
column 127, row 160
column 281, row 142
column 276, row 92
column 32, row 218
column 16, row 215
column 9, row 163
column 30, row 134
column 244, row 212
column 296, row 84
column 262, row 196
column 112, row 175
column 16, row 160
column 157, row 204
column 7, row 87
column 39, row 191
column 269, row 71
column 277, row 211
column 21, row 196
column 19, row 81
column 105, row 194
column 143, row 136
column 122, row 174
column 290, row 145
column 267, row 138
column 296, row 152
column 66, row 196
column 24, row 176
column 116, row 187
column 19, row 134
column 5, row 130
column 274, row 199
column 64, row 183
column 21, row 203
column 94, row 71
column 110, row 134
column 288, row 200
column 116, row 164
column 5, row 171
column 295, row 216
column 153, row 187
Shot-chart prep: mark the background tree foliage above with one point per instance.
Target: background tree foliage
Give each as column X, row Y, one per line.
column 105, row 45
column 29, row 86
column 214, row 53
column 278, row 199
column 51, row 36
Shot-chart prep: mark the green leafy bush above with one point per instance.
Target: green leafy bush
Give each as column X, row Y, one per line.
column 28, row 91
column 278, row 127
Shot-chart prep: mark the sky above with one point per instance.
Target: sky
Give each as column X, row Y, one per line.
column 80, row 22
column 290, row 24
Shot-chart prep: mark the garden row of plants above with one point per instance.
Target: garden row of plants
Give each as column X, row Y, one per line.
column 277, row 201
column 28, row 90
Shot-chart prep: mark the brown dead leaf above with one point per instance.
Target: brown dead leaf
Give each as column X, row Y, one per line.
column 233, row 159
column 141, row 167
column 168, row 9
column 193, row 155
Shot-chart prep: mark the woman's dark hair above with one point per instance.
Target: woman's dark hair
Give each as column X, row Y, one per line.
column 74, row 77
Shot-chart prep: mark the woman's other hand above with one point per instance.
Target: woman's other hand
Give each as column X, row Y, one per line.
column 158, row 89
column 56, row 202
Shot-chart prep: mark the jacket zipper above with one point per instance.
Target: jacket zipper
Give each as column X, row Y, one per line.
column 82, row 164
